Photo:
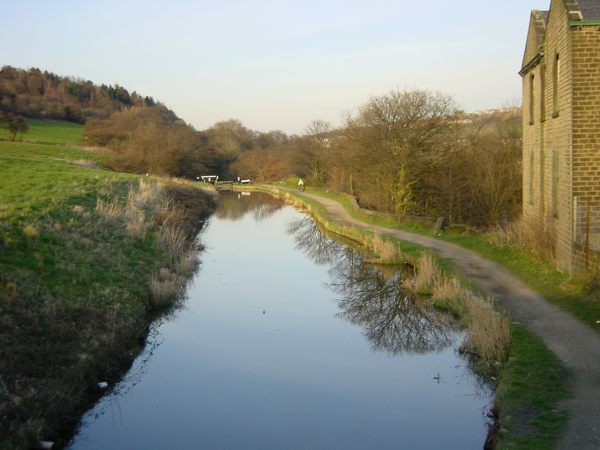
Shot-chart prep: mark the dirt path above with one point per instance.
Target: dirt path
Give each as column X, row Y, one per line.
column 575, row 343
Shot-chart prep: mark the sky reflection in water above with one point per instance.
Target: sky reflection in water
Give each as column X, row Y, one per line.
column 288, row 341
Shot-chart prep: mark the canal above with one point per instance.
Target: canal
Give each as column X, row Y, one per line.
column 288, row 340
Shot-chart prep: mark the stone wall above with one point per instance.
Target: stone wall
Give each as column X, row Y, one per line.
column 585, row 47
column 547, row 139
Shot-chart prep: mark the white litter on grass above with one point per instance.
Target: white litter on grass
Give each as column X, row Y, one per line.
column 45, row 445
column 103, row 385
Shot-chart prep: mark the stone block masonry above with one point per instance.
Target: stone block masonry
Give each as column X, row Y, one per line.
column 561, row 127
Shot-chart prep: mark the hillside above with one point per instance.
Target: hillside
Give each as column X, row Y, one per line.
column 51, row 96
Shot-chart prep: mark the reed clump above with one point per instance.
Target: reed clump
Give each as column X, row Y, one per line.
column 427, row 274
column 149, row 208
column 30, row 232
column 447, row 293
column 535, row 237
column 385, row 250
column 166, row 286
column 488, row 331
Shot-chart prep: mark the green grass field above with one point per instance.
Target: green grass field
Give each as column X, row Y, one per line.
column 36, row 178
column 47, row 202
column 74, row 302
column 48, row 132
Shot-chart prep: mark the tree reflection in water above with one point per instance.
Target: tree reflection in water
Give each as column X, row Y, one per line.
column 315, row 244
column 392, row 317
column 235, row 205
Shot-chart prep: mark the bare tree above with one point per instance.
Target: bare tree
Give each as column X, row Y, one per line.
column 8, row 113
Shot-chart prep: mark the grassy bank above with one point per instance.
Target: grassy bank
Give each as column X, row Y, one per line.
column 531, row 384
column 530, row 381
column 87, row 258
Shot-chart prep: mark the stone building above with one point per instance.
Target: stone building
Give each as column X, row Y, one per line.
column 561, row 129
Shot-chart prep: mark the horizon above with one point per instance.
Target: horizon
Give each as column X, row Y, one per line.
column 274, row 65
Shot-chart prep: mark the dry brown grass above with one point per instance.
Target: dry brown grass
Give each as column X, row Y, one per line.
column 8, row 289
column 136, row 221
column 173, row 241
column 488, row 331
column 31, row 232
column 188, row 263
column 109, row 209
column 533, row 236
column 164, row 274
column 170, row 215
column 427, row 274
column 87, row 163
column 386, row 251
column 147, row 196
column 79, row 210
column 447, row 290
column 147, row 208
column 164, row 291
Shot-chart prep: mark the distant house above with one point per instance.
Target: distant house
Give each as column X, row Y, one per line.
column 561, row 129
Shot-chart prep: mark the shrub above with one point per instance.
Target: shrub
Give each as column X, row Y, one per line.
column 31, row 232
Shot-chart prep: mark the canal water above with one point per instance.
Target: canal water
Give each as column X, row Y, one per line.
column 288, row 340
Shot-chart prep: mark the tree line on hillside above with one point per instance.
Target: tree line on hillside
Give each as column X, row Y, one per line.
column 47, row 95
column 409, row 152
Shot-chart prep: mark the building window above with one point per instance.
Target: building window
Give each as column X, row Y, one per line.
column 555, row 85
column 543, row 92
column 531, row 99
column 531, row 162
column 555, row 165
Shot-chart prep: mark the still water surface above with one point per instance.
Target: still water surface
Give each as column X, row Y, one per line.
column 287, row 340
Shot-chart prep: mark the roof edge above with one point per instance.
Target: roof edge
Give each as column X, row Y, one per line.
column 531, row 64
column 538, row 20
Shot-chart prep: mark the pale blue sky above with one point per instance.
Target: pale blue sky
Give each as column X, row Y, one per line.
column 275, row 64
